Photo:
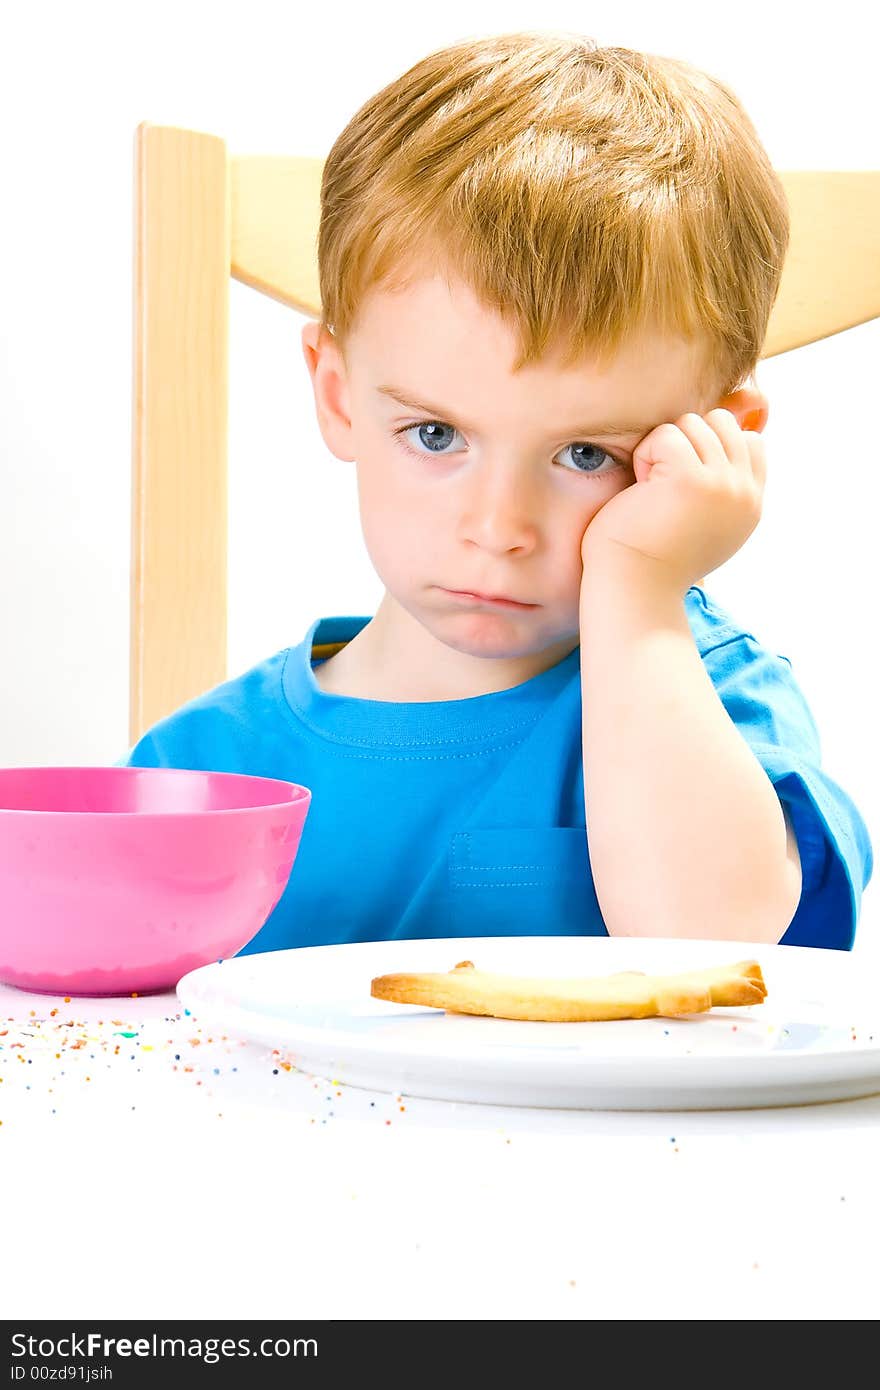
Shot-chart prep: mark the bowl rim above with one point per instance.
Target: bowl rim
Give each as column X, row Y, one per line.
column 302, row 794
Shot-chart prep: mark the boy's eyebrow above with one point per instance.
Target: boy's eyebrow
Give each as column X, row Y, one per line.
column 398, row 394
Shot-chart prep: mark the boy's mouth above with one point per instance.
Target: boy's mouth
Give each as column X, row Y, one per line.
column 487, row 600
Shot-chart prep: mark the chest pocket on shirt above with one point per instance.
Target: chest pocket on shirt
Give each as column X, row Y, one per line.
column 523, row 882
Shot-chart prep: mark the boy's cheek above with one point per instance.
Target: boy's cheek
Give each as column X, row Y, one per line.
column 589, row 516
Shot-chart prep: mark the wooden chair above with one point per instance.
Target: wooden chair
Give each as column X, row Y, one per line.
column 201, row 216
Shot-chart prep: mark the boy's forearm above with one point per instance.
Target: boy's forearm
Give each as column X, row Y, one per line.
column 686, row 834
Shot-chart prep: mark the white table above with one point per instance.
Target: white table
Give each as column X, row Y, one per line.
column 152, row 1169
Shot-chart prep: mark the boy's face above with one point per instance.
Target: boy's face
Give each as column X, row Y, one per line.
column 485, row 488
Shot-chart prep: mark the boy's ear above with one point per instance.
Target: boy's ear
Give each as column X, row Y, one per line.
column 749, row 405
column 330, row 385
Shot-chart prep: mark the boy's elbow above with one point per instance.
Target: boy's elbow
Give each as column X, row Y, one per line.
column 751, row 908
column 793, row 879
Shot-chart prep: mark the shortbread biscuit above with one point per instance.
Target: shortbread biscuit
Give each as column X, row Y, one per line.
column 629, row 994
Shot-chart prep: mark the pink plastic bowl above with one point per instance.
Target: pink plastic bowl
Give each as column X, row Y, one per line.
column 119, row 880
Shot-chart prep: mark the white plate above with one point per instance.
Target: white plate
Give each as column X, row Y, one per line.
column 816, row 1037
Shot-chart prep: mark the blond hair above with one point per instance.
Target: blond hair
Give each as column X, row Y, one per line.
column 583, row 193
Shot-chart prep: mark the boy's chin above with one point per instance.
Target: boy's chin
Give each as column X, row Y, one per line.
column 492, row 636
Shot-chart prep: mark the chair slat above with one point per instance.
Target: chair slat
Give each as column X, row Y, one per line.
column 179, row 425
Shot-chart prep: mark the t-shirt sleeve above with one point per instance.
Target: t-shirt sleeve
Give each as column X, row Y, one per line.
column 169, row 743
column 155, row 748
column 759, row 692
column 143, row 754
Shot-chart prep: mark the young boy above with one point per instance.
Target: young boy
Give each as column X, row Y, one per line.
column 546, row 274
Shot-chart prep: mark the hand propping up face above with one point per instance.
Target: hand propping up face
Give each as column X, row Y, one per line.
column 696, row 499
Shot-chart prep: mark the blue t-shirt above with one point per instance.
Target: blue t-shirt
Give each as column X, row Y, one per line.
column 466, row 817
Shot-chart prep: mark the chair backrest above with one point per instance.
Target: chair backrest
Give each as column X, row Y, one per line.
column 202, row 216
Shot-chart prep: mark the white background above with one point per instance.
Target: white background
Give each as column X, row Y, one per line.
column 283, row 78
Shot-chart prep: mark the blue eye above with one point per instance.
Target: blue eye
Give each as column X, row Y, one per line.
column 589, row 457
column 432, row 433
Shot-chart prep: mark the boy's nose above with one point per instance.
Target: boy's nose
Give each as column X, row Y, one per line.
column 499, row 511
